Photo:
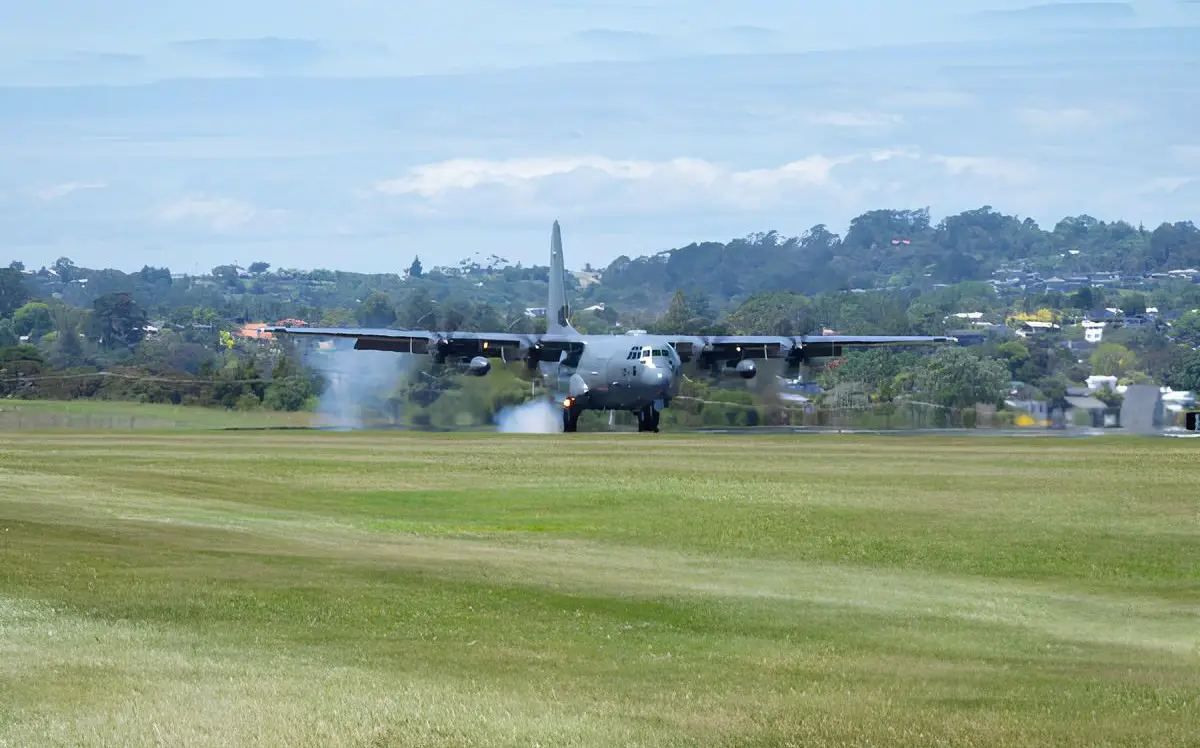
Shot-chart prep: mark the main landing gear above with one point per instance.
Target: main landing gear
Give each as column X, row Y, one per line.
column 570, row 415
column 648, row 419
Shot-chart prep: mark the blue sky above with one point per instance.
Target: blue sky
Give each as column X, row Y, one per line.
column 355, row 134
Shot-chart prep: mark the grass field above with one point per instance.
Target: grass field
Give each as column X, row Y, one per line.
column 113, row 416
column 96, row 415
column 351, row 589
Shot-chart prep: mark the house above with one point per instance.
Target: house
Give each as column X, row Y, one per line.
column 1034, row 412
column 1092, row 331
column 1175, row 401
column 1095, row 411
column 968, row 337
column 976, row 318
column 1095, row 383
column 251, row 331
column 1028, row 327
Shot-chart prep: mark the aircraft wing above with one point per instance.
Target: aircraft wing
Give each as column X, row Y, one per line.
column 822, row 346
column 732, row 347
column 443, row 345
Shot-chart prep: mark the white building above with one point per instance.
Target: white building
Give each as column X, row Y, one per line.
column 1093, row 331
column 1095, row 383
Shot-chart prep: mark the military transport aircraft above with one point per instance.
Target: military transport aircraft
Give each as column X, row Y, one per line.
column 636, row 372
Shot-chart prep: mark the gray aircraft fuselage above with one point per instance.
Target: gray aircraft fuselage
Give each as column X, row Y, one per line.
column 617, row 372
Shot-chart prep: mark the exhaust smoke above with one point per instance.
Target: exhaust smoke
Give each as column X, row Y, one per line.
column 359, row 386
column 533, row 417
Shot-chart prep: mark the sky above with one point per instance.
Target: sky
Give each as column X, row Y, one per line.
column 357, row 134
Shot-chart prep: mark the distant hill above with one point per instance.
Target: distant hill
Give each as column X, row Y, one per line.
column 880, row 250
column 902, row 249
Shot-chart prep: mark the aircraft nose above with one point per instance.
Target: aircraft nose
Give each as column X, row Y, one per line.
column 656, row 378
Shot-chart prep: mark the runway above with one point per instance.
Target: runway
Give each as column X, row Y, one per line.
column 1074, row 433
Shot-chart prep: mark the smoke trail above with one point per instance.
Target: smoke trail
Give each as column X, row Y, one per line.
column 533, row 417
column 358, row 385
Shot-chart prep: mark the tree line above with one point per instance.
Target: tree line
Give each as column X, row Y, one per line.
column 157, row 336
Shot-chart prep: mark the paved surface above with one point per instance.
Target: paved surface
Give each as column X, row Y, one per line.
column 786, row 430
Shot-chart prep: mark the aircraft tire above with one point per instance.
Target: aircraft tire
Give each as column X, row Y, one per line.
column 570, row 420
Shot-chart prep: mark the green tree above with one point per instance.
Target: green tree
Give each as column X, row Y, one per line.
column 1083, row 299
column 33, row 319
column 956, row 378
column 1112, row 360
column 65, row 269
column 419, row 310
column 1184, row 373
column 376, row 311
column 67, row 349
column 415, row 270
column 117, row 320
column 227, row 276
column 8, row 337
column 773, row 313
column 924, row 318
column 338, row 317
column 16, row 362
column 288, row 394
column 1134, row 303
column 875, row 369
column 685, row 315
column 13, row 293
column 1016, row 357
column 1187, row 328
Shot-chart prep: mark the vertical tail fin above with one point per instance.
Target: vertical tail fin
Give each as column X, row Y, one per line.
column 558, row 313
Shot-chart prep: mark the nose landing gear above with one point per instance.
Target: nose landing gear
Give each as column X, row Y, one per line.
column 648, row 419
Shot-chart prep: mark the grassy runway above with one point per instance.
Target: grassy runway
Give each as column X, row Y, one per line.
column 284, row 588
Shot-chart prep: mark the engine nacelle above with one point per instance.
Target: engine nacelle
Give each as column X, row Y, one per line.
column 746, row 369
column 478, row 367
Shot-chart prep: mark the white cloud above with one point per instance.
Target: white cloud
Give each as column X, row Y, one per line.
column 1002, row 170
column 1070, row 118
column 864, row 120
column 1162, row 184
column 219, row 214
column 535, row 186
column 930, row 99
column 887, row 154
column 578, row 185
column 57, row 191
column 435, row 179
column 1186, row 153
